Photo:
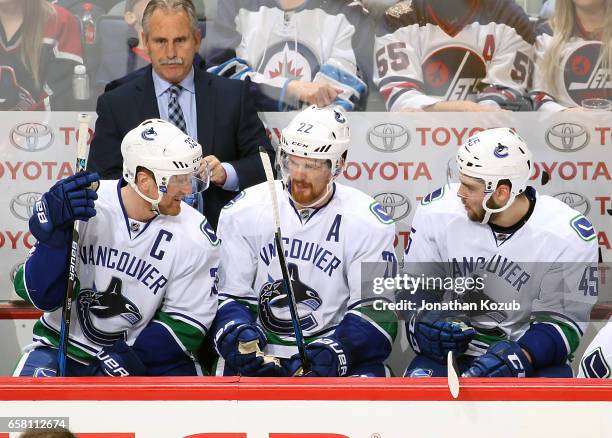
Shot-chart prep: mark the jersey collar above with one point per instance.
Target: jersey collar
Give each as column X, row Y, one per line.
column 305, row 218
column 503, row 234
column 133, row 231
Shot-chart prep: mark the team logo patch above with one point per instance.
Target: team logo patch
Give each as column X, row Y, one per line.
column 501, row 151
column 584, row 76
column 106, row 305
column 274, row 305
column 594, row 365
column 433, row 196
column 236, row 198
column 210, row 234
column 453, row 73
column 583, row 227
column 289, row 59
column 380, row 213
column 421, row 372
column 148, row 134
column 44, row 372
column 339, row 117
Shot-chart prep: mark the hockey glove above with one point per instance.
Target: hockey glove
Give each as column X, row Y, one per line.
column 234, row 342
column 502, row 359
column 326, row 359
column 118, row 360
column 434, row 333
column 55, row 212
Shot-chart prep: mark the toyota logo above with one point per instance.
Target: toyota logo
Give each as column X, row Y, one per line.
column 388, row 137
column 31, row 136
column 567, row 137
column 575, row 200
column 13, row 272
column 395, row 205
column 22, row 205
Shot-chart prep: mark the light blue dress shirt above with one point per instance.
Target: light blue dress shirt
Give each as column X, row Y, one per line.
column 187, row 102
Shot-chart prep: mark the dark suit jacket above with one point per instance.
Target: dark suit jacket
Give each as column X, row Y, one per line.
column 228, row 128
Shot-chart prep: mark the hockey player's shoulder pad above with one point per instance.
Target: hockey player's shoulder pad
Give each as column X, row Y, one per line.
column 361, row 207
column 248, row 207
column 434, row 196
column 193, row 220
column 565, row 220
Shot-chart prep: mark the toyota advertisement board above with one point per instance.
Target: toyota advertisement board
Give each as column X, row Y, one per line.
column 397, row 158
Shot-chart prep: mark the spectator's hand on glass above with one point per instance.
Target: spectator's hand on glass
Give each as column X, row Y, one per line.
column 313, row 93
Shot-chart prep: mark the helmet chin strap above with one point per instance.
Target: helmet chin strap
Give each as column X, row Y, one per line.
column 490, row 211
column 154, row 202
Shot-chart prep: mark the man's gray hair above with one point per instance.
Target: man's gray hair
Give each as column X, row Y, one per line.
column 170, row 5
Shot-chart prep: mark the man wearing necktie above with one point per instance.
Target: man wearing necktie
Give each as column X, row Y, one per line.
column 216, row 111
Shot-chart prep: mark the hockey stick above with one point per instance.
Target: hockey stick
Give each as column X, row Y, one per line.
column 453, row 379
column 81, row 163
column 299, row 337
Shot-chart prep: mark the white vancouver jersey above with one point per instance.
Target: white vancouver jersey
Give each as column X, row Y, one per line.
column 545, row 270
column 131, row 272
column 597, row 360
column 580, row 74
column 483, row 56
column 324, row 254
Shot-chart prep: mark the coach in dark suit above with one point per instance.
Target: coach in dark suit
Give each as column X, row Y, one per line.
column 218, row 112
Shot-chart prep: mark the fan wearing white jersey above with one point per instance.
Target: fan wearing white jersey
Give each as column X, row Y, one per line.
column 596, row 362
column 531, row 260
column 329, row 231
column 146, row 264
column 296, row 52
column 573, row 55
column 453, row 55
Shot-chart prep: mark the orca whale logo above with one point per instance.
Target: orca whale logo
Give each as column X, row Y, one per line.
column 274, row 297
column 149, row 134
column 105, row 305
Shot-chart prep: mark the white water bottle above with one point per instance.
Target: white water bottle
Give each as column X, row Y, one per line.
column 80, row 83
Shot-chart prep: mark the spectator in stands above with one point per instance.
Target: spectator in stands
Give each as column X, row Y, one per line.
column 573, row 57
column 40, row 44
column 122, row 60
column 453, row 55
column 297, row 52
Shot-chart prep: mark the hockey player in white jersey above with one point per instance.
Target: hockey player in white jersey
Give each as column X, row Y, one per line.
column 329, row 230
column 453, row 55
column 596, row 362
column 531, row 260
column 573, row 55
column 145, row 296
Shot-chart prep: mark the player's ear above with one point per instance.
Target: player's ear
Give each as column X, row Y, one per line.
column 503, row 191
column 145, row 180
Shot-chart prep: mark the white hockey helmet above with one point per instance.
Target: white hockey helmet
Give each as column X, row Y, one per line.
column 494, row 155
column 317, row 133
column 166, row 151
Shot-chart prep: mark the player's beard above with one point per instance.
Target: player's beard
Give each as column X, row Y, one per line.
column 477, row 212
column 169, row 206
column 305, row 193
